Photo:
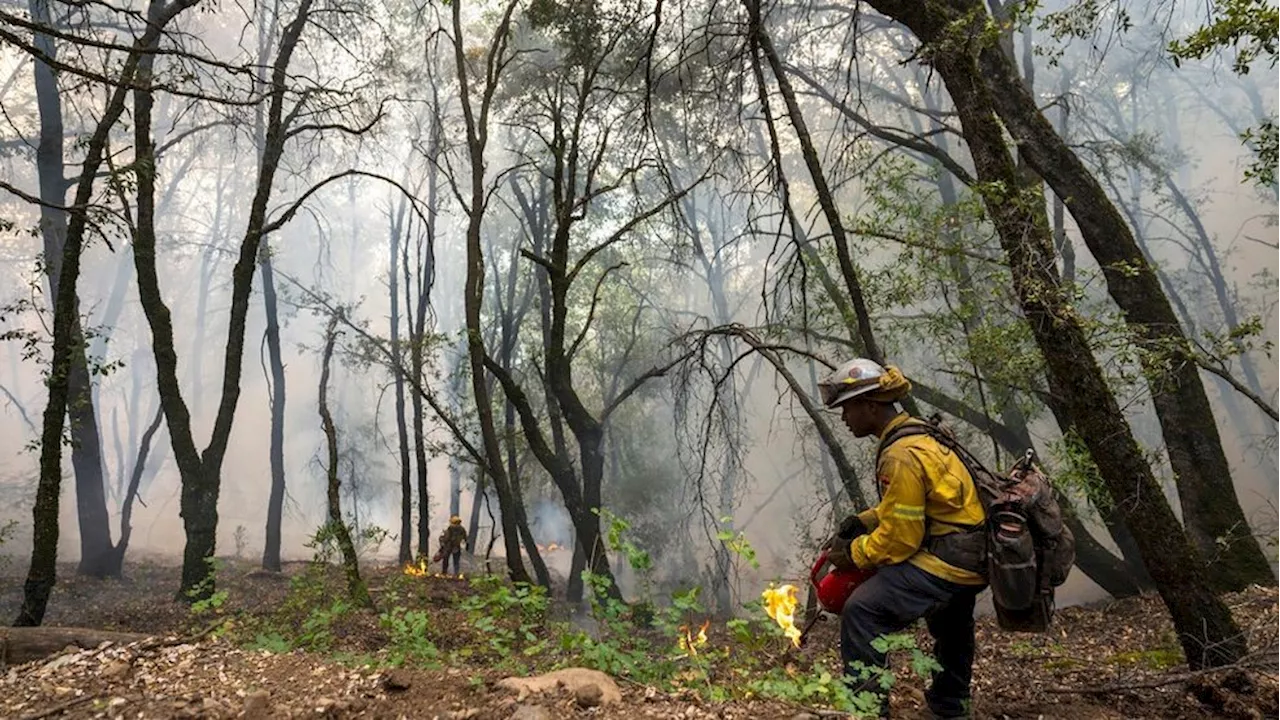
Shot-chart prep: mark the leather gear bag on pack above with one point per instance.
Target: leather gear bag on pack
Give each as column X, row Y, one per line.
column 1028, row 550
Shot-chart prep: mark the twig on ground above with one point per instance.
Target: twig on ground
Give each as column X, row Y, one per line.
column 59, row 708
column 1249, row 662
column 824, row 713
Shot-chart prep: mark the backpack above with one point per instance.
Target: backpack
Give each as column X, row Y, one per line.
column 1029, row 549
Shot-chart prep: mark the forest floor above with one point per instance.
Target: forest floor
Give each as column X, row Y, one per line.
column 289, row 645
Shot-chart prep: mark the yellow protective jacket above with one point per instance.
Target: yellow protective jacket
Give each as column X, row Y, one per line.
column 920, row 479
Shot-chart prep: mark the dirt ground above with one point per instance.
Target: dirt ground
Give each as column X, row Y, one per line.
column 1113, row 660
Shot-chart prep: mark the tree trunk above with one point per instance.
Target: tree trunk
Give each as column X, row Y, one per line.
column 201, row 472
column 473, row 293
column 337, row 525
column 575, row 590
column 493, row 451
column 1211, row 509
column 20, row 645
column 42, row 572
column 522, row 521
column 1207, row 632
column 405, row 555
column 417, row 339
column 473, row 525
column 275, row 503
column 131, row 494
column 1121, row 577
column 86, row 446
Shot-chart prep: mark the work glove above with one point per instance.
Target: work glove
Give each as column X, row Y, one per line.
column 839, row 553
column 851, row 527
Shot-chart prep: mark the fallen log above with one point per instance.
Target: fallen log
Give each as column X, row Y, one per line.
column 24, row 644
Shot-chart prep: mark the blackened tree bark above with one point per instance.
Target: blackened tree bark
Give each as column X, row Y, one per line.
column 511, row 311
column 1123, row 576
column 131, row 493
column 402, row 432
column 42, row 573
column 416, row 303
column 201, row 472
column 337, row 525
column 424, row 283
column 477, row 129
column 573, row 166
column 1211, row 510
column 536, row 217
column 1207, row 632
column 86, row 446
column 275, row 501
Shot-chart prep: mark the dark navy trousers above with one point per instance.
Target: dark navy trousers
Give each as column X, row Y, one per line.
column 889, row 602
column 456, row 557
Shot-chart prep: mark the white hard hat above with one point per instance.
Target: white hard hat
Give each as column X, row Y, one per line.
column 856, row 377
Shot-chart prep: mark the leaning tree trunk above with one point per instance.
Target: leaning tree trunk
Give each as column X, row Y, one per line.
column 42, row 573
column 760, row 38
column 86, row 448
column 488, row 432
column 1120, row 577
column 1211, row 509
column 473, row 289
column 337, row 525
column 201, row 472
column 1207, row 632
column 131, row 493
column 522, row 521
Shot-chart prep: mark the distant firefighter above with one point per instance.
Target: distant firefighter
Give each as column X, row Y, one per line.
column 451, row 542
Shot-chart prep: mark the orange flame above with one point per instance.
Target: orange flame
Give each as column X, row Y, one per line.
column 780, row 603
column 688, row 642
column 418, row 570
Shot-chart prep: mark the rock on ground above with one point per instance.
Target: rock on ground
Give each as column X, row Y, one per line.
column 589, row 687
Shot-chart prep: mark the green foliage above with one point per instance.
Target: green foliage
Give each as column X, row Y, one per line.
column 1247, row 336
column 409, row 637
column 1166, row 655
column 324, row 544
column 306, row 618
column 316, row 632
column 1075, row 471
column 270, row 641
column 204, row 600
column 508, row 617
column 1249, row 26
column 821, row 686
column 737, row 543
column 1266, row 149
column 922, row 663
column 817, row 687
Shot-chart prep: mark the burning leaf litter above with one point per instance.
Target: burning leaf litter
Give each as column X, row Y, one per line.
column 689, row 642
column 423, row 569
column 780, row 603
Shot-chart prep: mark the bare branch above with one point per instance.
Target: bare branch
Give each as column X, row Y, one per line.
column 591, row 312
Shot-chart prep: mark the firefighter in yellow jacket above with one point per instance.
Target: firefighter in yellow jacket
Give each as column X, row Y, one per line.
column 924, row 538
